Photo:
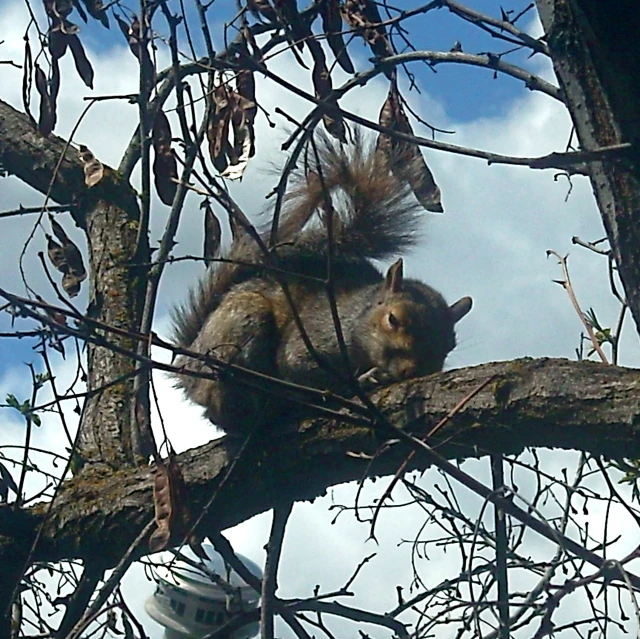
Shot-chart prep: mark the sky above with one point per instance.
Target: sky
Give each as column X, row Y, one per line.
column 491, row 243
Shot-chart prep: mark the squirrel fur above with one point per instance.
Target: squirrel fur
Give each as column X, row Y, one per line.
column 241, row 313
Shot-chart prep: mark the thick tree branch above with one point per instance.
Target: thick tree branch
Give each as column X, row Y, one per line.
column 52, row 167
column 552, row 403
column 486, row 61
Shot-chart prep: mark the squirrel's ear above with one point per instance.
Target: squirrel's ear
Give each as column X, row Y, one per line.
column 460, row 308
column 393, row 281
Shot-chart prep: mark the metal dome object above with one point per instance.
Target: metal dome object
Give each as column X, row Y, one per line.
column 194, row 597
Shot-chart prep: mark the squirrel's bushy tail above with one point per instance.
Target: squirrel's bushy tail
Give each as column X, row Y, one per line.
column 375, row 212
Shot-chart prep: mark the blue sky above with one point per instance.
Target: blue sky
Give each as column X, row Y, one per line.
column 489, row 244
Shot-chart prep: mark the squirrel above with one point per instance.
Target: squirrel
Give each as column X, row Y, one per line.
column 392, row 328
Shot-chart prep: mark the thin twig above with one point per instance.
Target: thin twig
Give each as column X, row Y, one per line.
column 110, row 584
column 566, row 284
column 590, row 245
column 23, row 210
column 479, row 19
column 456, row 409
column 221, row 544
column 77, row 605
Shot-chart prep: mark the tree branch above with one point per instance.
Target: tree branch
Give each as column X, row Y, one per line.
column 574, row 405
column 52, row 167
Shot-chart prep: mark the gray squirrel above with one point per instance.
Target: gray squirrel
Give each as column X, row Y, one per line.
column 241, row 313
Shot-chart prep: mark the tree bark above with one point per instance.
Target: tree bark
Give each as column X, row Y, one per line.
column 108, row 213
column 593, row 45
column 541, row 403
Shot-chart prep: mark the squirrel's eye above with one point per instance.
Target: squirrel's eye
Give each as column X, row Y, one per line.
column 394, row 322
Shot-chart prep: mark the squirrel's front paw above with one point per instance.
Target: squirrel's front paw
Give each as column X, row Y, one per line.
column 369, row 379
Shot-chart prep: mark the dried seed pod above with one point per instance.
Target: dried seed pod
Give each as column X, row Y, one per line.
column 47, row 114
column 170, row 502
column 98, row 10
column 332, row 26
column 218, row 128
column 364, row 18
column 66, row 258
column 83, row 66
column 165, row 166
column 212, row 233
column 323, row 86
column 405, row 159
